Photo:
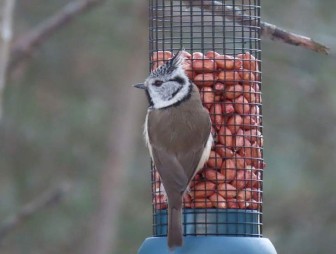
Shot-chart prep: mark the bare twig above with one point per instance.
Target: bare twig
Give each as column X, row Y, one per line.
column 6, row 14
column 278, row 34
column 49, row 198
column 268, row 30
column 24, row 45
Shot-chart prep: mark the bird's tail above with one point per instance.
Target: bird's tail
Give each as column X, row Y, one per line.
column 175, row 234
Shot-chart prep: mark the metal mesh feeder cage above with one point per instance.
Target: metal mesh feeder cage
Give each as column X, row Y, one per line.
column 222, row 210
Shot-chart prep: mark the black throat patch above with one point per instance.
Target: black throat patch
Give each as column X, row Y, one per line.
column 180, row 81
column 149, row 99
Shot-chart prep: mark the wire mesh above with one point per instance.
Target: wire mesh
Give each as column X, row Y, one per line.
column 221, row 42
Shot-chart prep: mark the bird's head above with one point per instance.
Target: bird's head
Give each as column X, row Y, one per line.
column 168, row 84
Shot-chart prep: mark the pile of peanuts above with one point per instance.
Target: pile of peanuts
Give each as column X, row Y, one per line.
column 230, row 91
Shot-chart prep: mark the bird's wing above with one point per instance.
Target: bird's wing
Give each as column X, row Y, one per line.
column 191, row 158
column 172, row 174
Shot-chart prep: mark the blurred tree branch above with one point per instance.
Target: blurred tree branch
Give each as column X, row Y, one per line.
column 49, row 198
column 25, row 45
column 6, row 15
column 268, row 30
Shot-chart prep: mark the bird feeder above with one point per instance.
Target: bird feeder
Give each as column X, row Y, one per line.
column 221, row 42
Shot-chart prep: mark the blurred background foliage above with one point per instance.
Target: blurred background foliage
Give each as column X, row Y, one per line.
column 62, row 104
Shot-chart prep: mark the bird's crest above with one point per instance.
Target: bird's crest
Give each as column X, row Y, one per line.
column 170, row 66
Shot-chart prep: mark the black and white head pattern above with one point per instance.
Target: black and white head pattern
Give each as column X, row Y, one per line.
column 168, row 84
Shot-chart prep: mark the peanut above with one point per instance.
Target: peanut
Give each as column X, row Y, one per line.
column 224, row 152
column 215, row 160
column 216, row 115
column 246, row 76
column 241, row 105
column 212, row 55
column 239, row 162
column 249, row 61
column 204, row 65
column 207, row 96
column 239, row 182
column 213, row 175
column 254, row 205
column 201, row 203
column 238, row 142
column 229, row 174
column 195, row 180
column 225, row 62
column 218, row 98
column 232, row 92
column 217, row 201
column 249, row 93
column 254, row 110
column 205, row 79
column 249, row 122
column 236, row 163
column 202, row 189
column 229, row 77
column 227, row 107
column 251, row 178
column 188, row 69
column 244, row 204
column 197, row 55
column 245, row 194
column 245, row 150
column 232, row 203
column 161, row 55
column 229, row 164
column 229, row 170
column 225, row 136
column 254, row 135
column 234, row 123
column 227, row 190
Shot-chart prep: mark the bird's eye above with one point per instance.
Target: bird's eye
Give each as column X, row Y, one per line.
column 157, row 83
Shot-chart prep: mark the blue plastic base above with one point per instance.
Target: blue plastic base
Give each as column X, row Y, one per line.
column 216, row 222
column 210, row 245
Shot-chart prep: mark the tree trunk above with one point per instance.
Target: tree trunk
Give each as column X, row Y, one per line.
column 121, row 141
column 6, row 14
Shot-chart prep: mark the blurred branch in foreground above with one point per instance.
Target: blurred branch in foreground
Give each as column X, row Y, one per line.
column 6, row 16
column 25, row 45
column 49, row 198
column 268, row 30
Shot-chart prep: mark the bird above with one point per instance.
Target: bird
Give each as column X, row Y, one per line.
column 178, row 135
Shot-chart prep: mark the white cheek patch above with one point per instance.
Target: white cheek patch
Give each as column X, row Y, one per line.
column 171, row 91
column 159, row 103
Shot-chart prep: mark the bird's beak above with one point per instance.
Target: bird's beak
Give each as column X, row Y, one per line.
column 140, row 86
